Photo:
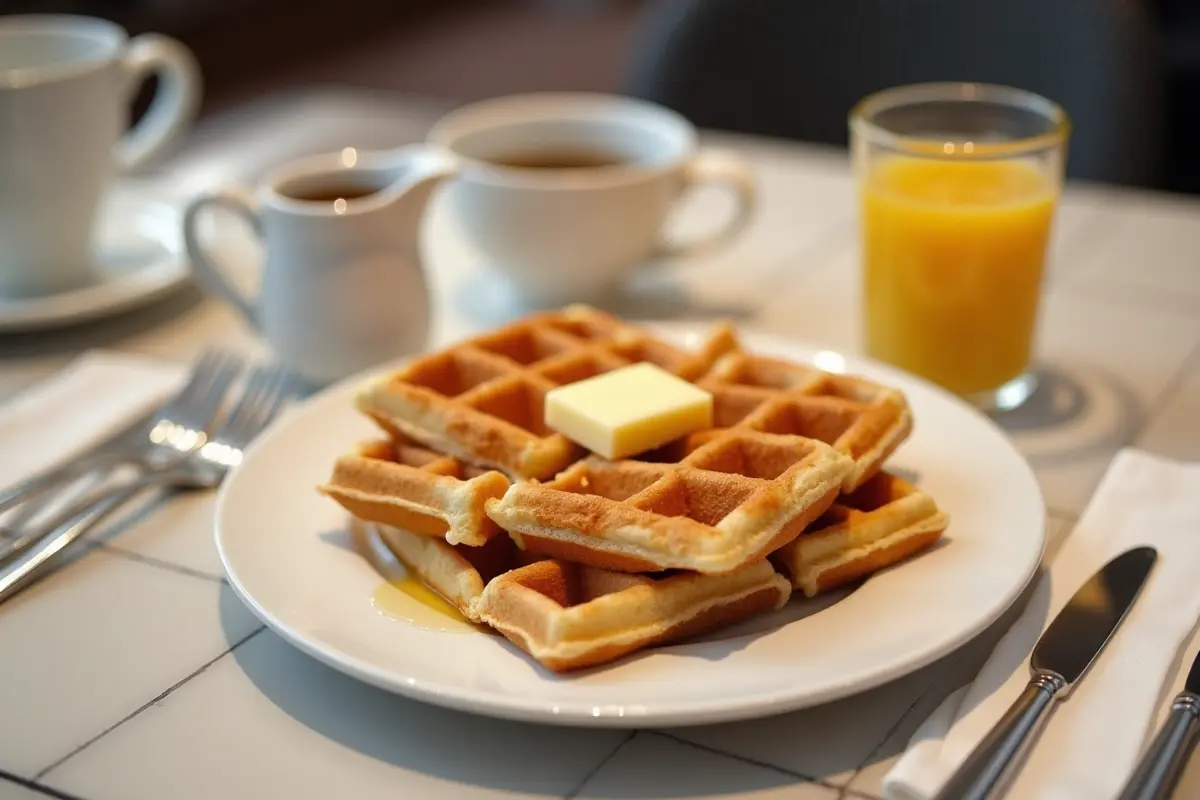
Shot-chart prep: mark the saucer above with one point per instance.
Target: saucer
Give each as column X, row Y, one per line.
column 138, row 258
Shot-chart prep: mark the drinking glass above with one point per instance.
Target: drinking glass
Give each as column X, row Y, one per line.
column 958, row 185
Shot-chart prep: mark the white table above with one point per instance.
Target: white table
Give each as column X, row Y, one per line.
column 134, row 672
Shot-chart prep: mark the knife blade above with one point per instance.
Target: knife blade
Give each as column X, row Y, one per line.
column 1061, row 658
column 1160, row 769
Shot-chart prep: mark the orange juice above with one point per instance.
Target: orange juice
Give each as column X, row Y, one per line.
column 953, row 254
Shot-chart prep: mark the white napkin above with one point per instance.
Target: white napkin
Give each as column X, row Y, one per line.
column 1093, row 739
column 94, row 396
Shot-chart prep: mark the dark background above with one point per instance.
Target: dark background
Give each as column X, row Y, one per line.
column 468, row 49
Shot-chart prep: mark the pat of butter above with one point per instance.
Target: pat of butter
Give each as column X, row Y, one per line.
column 629, row 410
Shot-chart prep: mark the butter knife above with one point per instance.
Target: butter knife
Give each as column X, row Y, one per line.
column 1066, row 649
column 1164, row 761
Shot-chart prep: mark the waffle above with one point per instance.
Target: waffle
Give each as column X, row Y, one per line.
column 482, row 400
column 860, row 418
column 884, row 521
column 400, row 483
column 569, row 616
column 455, row 572
column 736, row 498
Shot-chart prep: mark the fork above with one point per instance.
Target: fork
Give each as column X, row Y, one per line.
column 203, row 467
column 176, row 427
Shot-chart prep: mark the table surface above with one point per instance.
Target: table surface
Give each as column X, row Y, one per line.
column 134, row 672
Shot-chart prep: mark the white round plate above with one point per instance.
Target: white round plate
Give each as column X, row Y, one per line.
column 286, row 552
column 138, row 255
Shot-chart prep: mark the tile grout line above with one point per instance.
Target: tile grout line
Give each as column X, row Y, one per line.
column 1137, row 296
column 158, row 698
column 1062, row 516
column 933, row 682
column 151, row 561
column 579, row 787
column 34, row 786
column 1173, row 385
column 755, row 762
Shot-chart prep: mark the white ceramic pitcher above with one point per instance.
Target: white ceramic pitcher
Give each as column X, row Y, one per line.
column 342, row 288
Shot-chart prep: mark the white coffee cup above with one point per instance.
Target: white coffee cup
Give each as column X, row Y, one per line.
column 566, row 234
column 342, row 288
column 66, row 85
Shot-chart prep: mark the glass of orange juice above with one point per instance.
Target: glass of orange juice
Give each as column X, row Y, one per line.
column 958, row 184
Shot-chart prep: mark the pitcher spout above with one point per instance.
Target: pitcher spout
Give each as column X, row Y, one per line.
column 416, row 170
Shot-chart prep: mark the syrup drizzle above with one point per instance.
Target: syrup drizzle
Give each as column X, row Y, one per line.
column 402, row 597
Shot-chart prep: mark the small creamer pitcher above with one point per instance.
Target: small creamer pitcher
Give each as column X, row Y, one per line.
column 343, row 288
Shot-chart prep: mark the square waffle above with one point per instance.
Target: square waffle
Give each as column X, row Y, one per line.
column 482, row 400
column 400, row 483
column 569, row 616
column 884, row 521
column 739, row 496
column 862, row 419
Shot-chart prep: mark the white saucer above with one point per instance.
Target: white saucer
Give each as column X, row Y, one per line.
column 285, row 550
column 139, row 258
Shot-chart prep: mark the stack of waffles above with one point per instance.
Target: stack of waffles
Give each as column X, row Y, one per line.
column 579, row 560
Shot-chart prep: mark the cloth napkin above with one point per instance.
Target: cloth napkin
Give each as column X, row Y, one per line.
column 1092, row 741
column 96, row 395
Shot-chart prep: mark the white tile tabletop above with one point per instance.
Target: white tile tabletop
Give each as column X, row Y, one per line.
column 133, row 671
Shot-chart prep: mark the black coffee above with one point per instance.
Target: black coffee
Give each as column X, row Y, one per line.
column 328, row 193
column 559, row 159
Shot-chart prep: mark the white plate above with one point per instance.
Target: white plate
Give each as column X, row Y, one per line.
column 138, row 255
column 284, row 548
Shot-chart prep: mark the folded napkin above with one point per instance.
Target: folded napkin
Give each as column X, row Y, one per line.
column 1093, row 740
column 94, row 396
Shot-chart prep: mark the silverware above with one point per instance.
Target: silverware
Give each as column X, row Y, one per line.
column 172, row 428
column 1062, row 656
column 1163, row 763
column 201, row 468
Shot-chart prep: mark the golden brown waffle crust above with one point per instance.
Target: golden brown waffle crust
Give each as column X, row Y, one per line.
column 480, row 400
column 619, row 535
column 865, row 541
column 884, row 419
column 373, row 488
column 648, row 612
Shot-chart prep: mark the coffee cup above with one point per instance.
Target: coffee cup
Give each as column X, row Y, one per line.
column 566, row 193
column 66, row 86
column 342, row 288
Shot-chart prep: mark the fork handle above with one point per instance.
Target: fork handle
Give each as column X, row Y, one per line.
column 55, row 536
column 1164, row 761
column 26, row 490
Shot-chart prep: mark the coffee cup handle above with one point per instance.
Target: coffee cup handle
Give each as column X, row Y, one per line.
column 175, row 102
column 210, row 274
column 724, row 169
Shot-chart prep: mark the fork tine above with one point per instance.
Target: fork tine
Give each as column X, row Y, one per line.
column 204, row 371
column 265, row 392
column 183, row 423
column 280, row 389
column 245, row 405
column 200, row 412
column 274, row 392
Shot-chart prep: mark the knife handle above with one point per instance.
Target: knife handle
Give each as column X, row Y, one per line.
column 987, row 769
column 1164, row 761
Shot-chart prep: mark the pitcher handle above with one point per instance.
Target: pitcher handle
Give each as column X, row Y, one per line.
column 212, row 275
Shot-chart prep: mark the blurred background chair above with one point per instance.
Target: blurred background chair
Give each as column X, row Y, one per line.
column 794, row 68
column 768, row 59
